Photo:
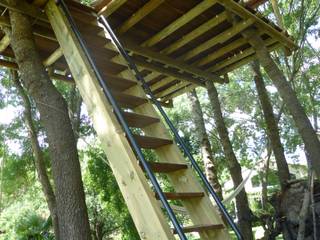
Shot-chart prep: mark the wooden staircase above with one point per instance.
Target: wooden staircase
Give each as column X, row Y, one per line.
column 139, row 114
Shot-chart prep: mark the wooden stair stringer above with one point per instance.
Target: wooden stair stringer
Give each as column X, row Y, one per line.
column 201, row 210
column 144, row 208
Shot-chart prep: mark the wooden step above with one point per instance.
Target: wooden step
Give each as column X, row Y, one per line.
column 199, row 228
column 151, row 142
column 105, row 66
column 128, row 101
column 182, row 195
column 103, row 56
column 138, row 120
column 118, row 83
column 159, row 167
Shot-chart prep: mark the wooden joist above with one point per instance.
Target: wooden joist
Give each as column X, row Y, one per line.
column 238, row 57
column 196, row 33
column 179, row 92
column 181, row 21
column 139, row 15
column 221, row 38
column 168, row 72
column 241, row 11
column 180, row 65
column 107, row 7
column 53, row 57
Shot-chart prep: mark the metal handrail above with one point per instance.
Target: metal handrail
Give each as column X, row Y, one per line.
column 178, row 139
column 123, row 122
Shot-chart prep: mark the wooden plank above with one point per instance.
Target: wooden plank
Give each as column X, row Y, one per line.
column 144, row 209
column 139, row 15
column 221, row 51
column 178, row 23
column 148, row 142
column 160, row 167
column 241, row 11
column 117, row 83
column 182, row 195
column 127, row 100
column 171, row 89
column 168, row 72
column 199, row 228
column 179, row 92
column 246, row 60
column 238, row 57
column 108, row 7
column 180, row 65
column 8, row 64
column 196, row 33
column 222, row 37
column 161, row 83
column 139, row 120
column 143, row 65
column 53, row 57
column 4, row 43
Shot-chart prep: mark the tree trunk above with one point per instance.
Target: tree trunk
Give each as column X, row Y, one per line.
column 38, row 155
column 71, row 207
column 243, row 210
column 272, row 126
column 207, row 155
column 309, row 137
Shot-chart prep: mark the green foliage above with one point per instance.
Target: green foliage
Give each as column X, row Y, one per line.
column 105, row 202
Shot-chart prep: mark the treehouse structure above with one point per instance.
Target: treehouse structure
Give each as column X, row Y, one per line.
column 128, row 57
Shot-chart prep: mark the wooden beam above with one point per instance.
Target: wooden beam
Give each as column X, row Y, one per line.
column 53, row 57
column 181, row 21
column 180, row 65
column 238, row 57
column 161, row 83
column 144, row 65
column 172, row 89
column 108, row 7
column 144, row 209
column 196, row 33
column 8, row 64
column 246, row 60
column 241, row 11
column 179, row 92
column 222, row 37
column 4, row 43
column 25, row 8
column 221, row 51
column 168, row 72
column 139, row 15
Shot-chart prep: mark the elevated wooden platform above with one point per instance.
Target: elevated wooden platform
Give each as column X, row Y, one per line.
column 177, row 45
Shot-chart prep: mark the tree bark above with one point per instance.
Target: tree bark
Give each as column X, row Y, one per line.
column 272, row 126
column 38, row 156
column 243, row 210
column 71, row 207
column 207, row 155
column 309, row 137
